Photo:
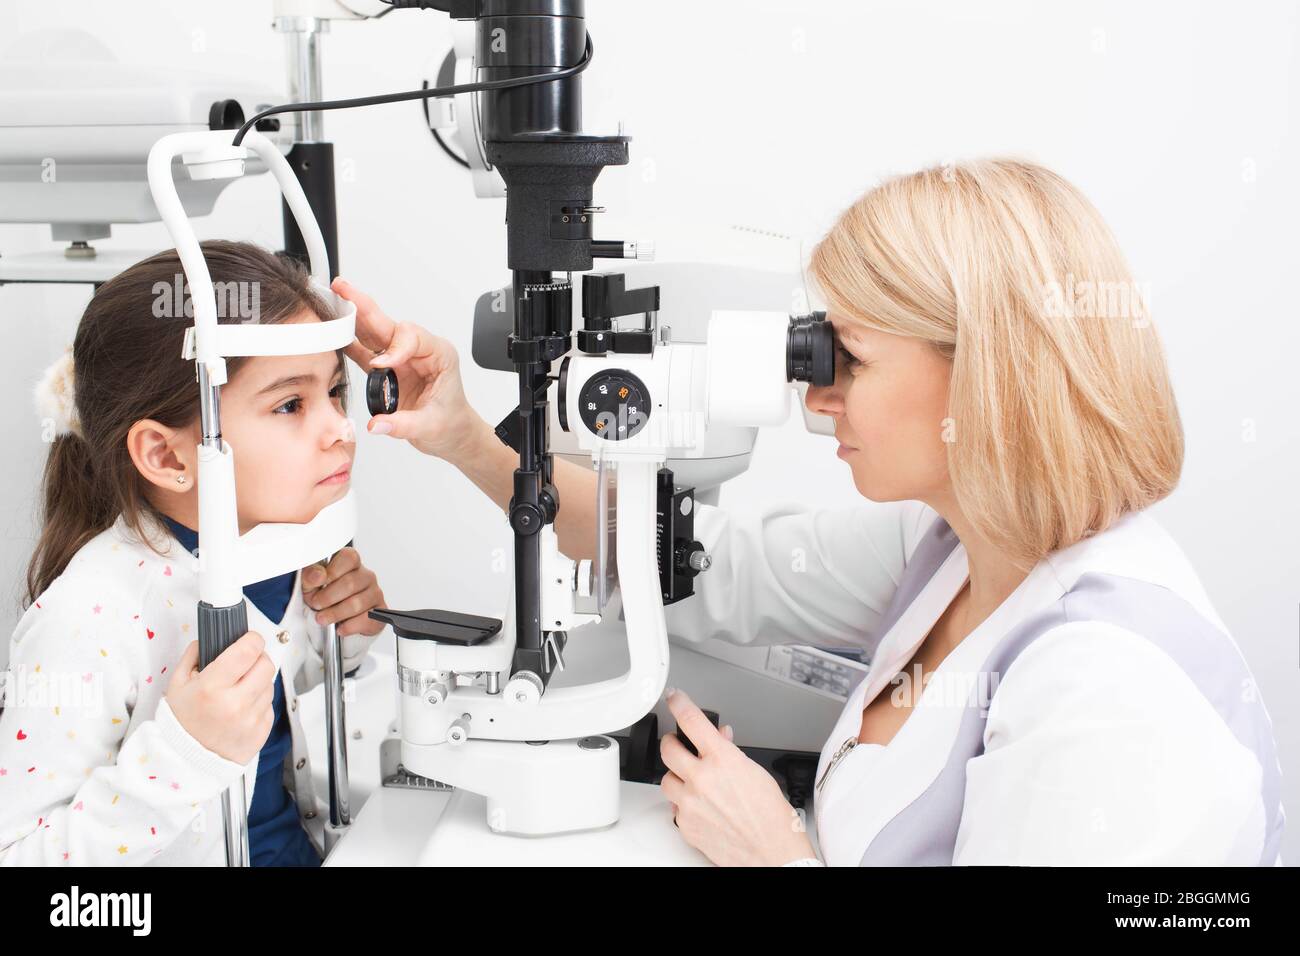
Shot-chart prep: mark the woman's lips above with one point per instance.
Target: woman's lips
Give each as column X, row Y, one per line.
column 844, row 451
column 338, row 478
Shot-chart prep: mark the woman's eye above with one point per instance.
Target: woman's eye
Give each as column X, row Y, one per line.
column 339, row 390
column 849, row 358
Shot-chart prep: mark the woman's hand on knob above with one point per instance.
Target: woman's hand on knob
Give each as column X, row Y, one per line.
column 432, row 412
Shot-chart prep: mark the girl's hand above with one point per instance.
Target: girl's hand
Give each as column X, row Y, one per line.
column 227, row 706
column 726, row 806
column 343, row 592
column 432, row 412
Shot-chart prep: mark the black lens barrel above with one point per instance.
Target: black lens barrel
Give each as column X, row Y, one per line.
column 810, row 350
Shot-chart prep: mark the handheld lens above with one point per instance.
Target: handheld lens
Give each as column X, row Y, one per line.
column 381, row 391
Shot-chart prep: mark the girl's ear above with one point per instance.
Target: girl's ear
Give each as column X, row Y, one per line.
column 164, row 456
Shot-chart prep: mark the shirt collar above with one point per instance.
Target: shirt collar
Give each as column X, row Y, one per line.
column 188, row 537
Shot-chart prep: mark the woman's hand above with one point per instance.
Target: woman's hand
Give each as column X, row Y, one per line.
column 432, row 412
column 726, row 806
column 344, row 592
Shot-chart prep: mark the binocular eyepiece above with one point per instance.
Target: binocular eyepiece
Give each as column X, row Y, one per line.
column 810, row 350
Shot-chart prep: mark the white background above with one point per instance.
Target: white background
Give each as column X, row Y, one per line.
column 1177, row 119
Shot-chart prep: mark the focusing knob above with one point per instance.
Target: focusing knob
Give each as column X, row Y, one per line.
column 692, row 559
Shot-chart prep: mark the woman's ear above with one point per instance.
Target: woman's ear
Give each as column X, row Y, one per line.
column 164, row 456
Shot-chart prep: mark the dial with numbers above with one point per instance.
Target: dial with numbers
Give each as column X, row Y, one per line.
column 614, row 404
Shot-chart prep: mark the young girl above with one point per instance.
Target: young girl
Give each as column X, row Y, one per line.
column 114, row 749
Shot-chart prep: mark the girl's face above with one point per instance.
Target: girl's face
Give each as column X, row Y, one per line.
column 283, row 417
column 889, row 401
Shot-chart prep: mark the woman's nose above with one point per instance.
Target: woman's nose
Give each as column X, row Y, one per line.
column 824, row 400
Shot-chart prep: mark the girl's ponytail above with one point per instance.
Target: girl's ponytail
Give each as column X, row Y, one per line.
column 75, row 508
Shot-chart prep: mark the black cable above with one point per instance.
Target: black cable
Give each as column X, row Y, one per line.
column 447, row 149
column 485, row 86
column 424, row 105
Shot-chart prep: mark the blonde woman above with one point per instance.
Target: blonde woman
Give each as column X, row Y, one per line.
column 1050, row 683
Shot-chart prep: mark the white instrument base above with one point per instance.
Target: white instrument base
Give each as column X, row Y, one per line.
column 400, row 827
column 643, row 836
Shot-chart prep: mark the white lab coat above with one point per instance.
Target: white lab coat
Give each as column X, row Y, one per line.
column 95, row 769
column 1097, row 749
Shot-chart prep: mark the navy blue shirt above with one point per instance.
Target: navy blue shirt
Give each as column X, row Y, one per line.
column 275, row 834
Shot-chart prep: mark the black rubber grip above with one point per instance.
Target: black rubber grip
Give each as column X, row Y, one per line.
column 219, row 627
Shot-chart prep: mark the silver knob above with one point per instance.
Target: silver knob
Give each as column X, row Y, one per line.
column 523, row 687
column 458, row 732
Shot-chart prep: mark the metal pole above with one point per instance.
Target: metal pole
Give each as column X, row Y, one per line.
column 302, row 48
column 336, row 738
column 219, row 627
column 234, row 819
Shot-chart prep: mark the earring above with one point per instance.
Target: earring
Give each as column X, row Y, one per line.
column 180, row 479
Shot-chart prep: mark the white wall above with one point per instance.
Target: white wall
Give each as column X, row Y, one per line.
column 1177, row 119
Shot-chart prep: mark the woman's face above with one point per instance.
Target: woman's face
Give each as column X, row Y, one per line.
column 889, row 401
column 293, row 443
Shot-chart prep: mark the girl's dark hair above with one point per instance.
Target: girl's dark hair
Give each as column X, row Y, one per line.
column 127, row 366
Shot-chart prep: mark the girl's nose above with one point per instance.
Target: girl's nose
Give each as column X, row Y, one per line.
column 337, row 427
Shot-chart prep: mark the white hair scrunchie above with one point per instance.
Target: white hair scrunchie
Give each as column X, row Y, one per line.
column 56, row 395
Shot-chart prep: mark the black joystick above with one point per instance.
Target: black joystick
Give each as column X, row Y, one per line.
column 686, row 741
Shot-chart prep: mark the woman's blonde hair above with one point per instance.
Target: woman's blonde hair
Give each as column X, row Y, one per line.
column 1062, row 414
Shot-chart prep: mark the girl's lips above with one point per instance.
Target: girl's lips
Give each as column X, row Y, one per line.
column 338, row 478
column 844, row 451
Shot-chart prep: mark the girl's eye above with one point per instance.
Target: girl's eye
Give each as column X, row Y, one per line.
column 294, row 405
column 289, row 408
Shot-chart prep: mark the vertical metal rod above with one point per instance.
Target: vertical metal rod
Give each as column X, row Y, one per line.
column 234, row 801
column 234, row 819
column 528, row 478
column 302, row 48
column 209, row 408
column 336, row 734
